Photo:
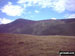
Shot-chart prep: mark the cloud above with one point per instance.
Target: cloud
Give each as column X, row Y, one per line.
column 57, row 5
column 70, row 5
column 36, row 11
column 69, row 16
column 53, row 18
column 45, row 3
column 72, row 16
column 12, row 10
column 42, row 3
column 63, row 5
column 5, row 20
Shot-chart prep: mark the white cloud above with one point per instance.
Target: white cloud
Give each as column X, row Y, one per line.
column 53, row 18
column 45, row 3
column 12, row 10
column 21, row 1
column 71, row 16
column 58, row 5
column 5, row 20
column 62, row 5
column 70, row 5
column 42, row 3
column 36, row 11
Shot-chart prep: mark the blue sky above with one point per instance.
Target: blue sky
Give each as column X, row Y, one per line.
column 11, row 10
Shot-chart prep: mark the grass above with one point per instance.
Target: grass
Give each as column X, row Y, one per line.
column 31, row 45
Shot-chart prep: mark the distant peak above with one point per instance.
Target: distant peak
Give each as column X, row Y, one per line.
column 21, row 19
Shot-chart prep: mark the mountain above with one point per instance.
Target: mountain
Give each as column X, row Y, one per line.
column 43, row 27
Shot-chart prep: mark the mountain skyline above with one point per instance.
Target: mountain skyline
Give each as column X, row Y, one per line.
column 43, row 27
column 36, row 10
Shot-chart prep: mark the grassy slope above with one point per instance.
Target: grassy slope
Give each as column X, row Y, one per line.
column 29, row 45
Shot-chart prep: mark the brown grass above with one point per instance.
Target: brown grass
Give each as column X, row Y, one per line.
column 29, row 45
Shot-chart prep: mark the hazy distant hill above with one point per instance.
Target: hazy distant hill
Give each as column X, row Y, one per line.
column 43, row 27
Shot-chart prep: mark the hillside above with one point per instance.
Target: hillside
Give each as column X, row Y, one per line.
column 43, row 27
column 31, row 45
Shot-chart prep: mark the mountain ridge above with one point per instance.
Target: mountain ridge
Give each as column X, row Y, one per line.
column 42, row 27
